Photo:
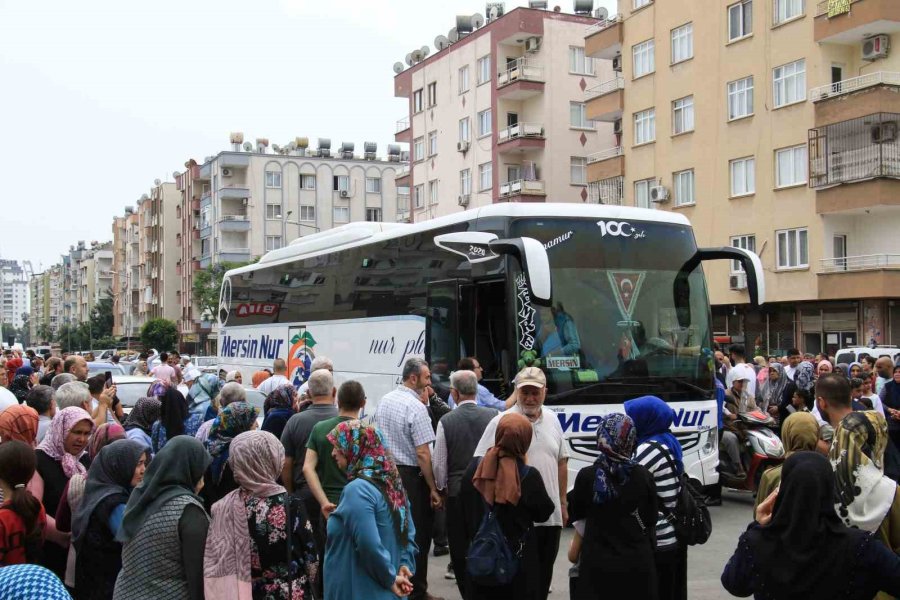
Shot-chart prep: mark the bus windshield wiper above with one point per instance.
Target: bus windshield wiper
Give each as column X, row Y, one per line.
column 659, row 381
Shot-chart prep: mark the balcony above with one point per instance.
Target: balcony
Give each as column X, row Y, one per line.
column 205, row 232
column 606, row 100
column 606, row 164
column 234, row 160
column 522, row 79
column 856, row 97
column 849, row 21
column 523, row 190
column 205, row 172
column 521, row 137
column 234, row 193
column 204, row 261
column 403, row 133
column 604, row 39
column 607, row 191
column 234, row 254
column 868, row 276
column 234, row 223
column 402, row 176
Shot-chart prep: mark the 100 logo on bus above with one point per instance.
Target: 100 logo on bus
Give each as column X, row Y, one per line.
column 619, row 229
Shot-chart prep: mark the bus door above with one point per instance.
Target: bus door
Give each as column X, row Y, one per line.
column 442, row 335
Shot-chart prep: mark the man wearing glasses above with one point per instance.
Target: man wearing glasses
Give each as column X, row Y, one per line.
column 484, row 396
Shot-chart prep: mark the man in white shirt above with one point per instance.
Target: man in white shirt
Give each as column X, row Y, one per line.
column 164, row 371
column 794, row 360
column 548, row 453
column 740, row 370
column 278, row 379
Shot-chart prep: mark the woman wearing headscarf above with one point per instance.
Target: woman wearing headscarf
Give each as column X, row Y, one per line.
column 20, row 423
column 114, row 472
column 856, row 370
column 164, row 528
column 825, row 367
column 234, row 376
column 61, row 454
column 219, row 479
column 174, row 420
column 248, row 552
column 371, row 549
column 278, row 408
column 201, row 400
column 20, row 385
column 890, row 399
column 799, row 433
column 613, row 503
column 798, row 547
column 771, row 393
column 659, row 451
column 31, row 582
column 139, row 424
column 515, row 492
column 259, row 377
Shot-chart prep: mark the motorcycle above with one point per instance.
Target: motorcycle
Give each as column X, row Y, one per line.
column 761, row 450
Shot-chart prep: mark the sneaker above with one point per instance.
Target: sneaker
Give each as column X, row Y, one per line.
column 441, row 551
column 450, row 574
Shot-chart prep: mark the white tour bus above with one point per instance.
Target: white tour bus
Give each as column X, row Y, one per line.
column 609, row 301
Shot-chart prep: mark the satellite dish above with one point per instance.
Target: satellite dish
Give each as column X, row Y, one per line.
column 425, row 50
column 477, row 21
column 601, row 13
column 157, row 182
column 441, row 42
column 276, row 148
column 416, row 56
column 248, row 147
column 176, row 175
column 409, row 60
column 453, row 35
column 398, row 67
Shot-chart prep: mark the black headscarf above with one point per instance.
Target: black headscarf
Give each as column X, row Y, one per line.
column 172, row 412
column 20, row 386
column 174, row 472
column 142, row 416
column 110, row 474
column 806, row 552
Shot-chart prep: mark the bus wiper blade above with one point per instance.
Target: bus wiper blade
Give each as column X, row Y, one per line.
column 659, row 381
column 577, row 391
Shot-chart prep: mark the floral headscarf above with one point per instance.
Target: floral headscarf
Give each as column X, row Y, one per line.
column 369, row 459
column 20, row 386
column 236, row 418
column 157, row 388
column 770, row 392
column 804, row 377
column 19, row 422
column 54, row 442
column 104, row 435
column 281, row 397
column 616, row 436
column 203, row 392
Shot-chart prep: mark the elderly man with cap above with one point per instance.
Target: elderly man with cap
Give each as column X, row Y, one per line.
column 548, row 453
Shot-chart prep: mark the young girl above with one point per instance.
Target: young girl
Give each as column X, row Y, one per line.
column 22, row 518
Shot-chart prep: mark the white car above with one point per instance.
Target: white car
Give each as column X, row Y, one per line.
column 851, row 355
column 131, row 388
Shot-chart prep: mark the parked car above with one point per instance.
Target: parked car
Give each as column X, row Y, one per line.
column 99, row 368
column 131, row 388
column 851, row 355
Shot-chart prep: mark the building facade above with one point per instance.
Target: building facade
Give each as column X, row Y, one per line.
column 773, row 126
column 14, row 295
column 192, row 332
column 39, row 314
column 127, row 280
column 499, row 115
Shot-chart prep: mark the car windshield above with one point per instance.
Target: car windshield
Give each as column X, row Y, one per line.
column 100, row 369
column 130, row 393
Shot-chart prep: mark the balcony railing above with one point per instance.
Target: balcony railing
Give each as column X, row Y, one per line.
column 607, row 87
column 604, row 24
column 824, row 7
column 520, row 130
column 234, row 251
column 607, row 191
column 605, row 154
column 521, row 69
column 233, row 218
column 854, row 84
column 402, row 124
column 522, row 186
column 855, row 150
column 866, row 262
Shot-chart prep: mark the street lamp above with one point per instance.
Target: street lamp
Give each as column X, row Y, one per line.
column 299, row 224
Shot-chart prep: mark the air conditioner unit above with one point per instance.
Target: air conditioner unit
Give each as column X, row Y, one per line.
column 738, row 281
column 345, row 194
column 532, row 44
column 463, row 200
column 884, row 132
column 875, row 47
column 659, row 194
column 245, row 202
column 617, row 127
column 226, row 173
column 462, row 146
column 617, row 63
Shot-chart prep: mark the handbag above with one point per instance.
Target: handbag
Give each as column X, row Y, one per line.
column 690, row 518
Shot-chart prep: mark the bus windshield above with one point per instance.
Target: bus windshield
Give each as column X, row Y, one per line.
column 613, row 330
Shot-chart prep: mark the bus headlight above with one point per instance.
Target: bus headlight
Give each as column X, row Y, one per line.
column 711, row 444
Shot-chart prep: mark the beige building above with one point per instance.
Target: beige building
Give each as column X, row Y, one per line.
column 772, row 125
column 159, row 253
column 192, row 332
column 499, row 115
column 127, row 277
column 39, row 315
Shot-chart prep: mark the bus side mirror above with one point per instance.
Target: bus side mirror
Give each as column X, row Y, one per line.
column 533, row 258
column 475, row 246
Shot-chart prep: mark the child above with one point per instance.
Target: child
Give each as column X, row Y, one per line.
column 800, row 402
column 22, row 518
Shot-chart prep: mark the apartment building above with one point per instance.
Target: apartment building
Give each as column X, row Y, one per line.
column 159, row 253
column 39, row 313
column 192, row 332
column 773, row 126
column 14, row 296
column 127, row 278
column 497, row 113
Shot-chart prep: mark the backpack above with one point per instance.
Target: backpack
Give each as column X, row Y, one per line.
column 490, row 560
column 690, row 519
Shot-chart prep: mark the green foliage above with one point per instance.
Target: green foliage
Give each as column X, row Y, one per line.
column 161, row 334
column 207, row 285
column 102, row 319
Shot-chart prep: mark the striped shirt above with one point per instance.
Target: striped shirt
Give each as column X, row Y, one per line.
column 405, row 424
column 651, row 456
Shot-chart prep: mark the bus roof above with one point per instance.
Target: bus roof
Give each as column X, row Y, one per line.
column 360, row 233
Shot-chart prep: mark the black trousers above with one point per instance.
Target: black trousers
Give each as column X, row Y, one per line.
column 547, row 542
column 317, row 521
column 423, row 517
column 671, row 572
column 459, row 542
column 439, row 532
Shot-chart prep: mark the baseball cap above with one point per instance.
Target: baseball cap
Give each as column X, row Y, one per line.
column 531, row 376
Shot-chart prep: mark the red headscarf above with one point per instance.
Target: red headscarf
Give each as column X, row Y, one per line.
column 19, row 422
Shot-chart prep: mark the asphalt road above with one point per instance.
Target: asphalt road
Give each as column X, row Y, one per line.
column 705, row 563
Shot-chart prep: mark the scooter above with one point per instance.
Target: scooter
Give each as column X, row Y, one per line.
column 763, row 450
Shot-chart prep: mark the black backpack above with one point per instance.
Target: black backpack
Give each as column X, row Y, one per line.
column 690, row 519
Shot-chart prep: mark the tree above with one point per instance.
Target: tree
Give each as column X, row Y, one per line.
column 207, row 285
column 161, row 334
column 25, row 331
column 102, row 318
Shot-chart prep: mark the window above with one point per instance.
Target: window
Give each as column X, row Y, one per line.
column 308, row 182
column 484, row 69
column 419, row 148
column 373, row 215
column 740, row 20
column 341, row 183
column 273, row 179
column 341, row 214
column 642, row 54
column 484, row 123
column 683, row 115
column 464, row 133
column 578, row 116
column 791, row 249
column 433, row 191
column 579, row 63
column 787, row 9
column 684, row 187
column 740, row 98
column 578, row 170
column 273, row 211
column 642, row 192
column 373, row 185
column 432, row 94
column 682, row 43
column 273, row 242
column 789, row 83
column 743, row 176
column 432, row 143
column 308, row 213
column 641, row 3
column 745, row 242
column 417, row 101
column 790, row 166
column 464, row 79
column 645, row 126
column 485, row 177
column 419, row 196
column 465, row 181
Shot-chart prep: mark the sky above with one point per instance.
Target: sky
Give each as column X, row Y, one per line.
column 100, row 98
